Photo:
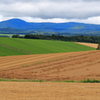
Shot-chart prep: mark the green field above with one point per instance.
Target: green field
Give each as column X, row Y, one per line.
column 34, row 46
column 8, row 52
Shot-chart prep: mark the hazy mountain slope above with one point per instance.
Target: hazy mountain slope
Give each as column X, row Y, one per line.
column 70, row 27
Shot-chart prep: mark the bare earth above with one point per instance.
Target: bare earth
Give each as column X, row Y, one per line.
column 88, row 44
column 59, row 66
column 49, row 91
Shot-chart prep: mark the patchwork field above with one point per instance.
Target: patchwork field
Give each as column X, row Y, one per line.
column 55, row 66
column 59, row 66
column 49, row 91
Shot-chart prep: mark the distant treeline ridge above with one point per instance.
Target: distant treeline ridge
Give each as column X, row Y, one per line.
column 79, row 38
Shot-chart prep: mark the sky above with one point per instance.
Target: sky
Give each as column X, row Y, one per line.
column 57, row 11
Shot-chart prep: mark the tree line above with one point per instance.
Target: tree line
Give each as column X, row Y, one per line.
column 78, row 38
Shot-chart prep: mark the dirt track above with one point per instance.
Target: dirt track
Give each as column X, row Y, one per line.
column 60, row 66
column 49, row 91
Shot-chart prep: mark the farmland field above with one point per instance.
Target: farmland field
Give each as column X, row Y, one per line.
column 4, row 51
column 60, row 66
column 49, row 91
column 31, row 46
column 76, row 66
column 94, row 45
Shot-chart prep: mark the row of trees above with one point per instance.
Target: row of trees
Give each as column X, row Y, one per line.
column 80, row 38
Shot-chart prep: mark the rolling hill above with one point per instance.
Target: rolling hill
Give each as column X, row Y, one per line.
column 14, row 46
column 70, row 28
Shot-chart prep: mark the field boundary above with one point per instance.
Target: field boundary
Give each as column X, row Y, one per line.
column 15, row 49
column 66, row 81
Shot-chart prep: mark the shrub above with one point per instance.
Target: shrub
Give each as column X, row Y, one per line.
column 91, row 81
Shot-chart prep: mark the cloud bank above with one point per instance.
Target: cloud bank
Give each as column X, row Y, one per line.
column 86, row 11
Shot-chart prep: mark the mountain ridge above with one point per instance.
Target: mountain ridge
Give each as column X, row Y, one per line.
column 68, row 27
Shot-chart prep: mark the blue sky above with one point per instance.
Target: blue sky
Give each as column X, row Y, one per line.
column 85, row 11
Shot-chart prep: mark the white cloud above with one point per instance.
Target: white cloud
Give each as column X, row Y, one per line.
column 91, row 20
column 51, row 10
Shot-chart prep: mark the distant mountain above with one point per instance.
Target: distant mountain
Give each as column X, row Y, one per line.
column 14, row 23
column 10, row 30
column 59, row 28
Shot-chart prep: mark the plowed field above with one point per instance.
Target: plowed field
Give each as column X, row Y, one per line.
column 59, row 66
column 93, row 45
column 49, row 91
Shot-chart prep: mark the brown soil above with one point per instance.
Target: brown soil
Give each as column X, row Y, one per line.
column 59, row 66
column 88, row 44
column 49, row 91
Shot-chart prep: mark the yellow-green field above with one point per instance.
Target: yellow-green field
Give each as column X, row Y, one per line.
column 16, row 46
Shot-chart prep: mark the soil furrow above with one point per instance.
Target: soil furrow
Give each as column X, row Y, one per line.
column 60, row 66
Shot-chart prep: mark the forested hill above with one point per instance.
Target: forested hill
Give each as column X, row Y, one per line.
column 70, row 28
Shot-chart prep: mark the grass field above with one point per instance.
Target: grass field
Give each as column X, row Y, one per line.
column 8, row 51
column 38, row 46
